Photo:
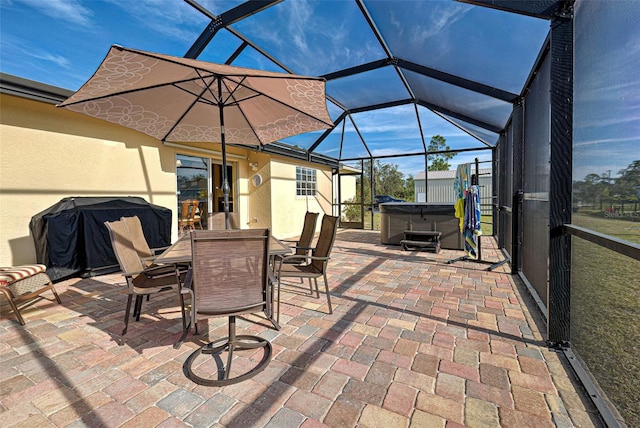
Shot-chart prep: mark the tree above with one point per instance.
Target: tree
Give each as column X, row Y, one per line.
column 587, row 192
column 387, row 181
column 439, row 161
column 599, row 189
column 627, row 186
column 409, row 189
column 593, row 187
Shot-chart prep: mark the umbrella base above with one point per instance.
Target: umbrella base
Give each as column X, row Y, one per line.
column 224, row 372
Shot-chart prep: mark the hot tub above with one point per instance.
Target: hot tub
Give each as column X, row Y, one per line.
column 396, row 217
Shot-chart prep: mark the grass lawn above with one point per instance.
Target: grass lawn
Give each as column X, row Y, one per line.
column 605, row 314
column 627, row 228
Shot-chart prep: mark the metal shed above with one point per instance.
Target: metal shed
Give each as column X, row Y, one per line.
column 440, row 186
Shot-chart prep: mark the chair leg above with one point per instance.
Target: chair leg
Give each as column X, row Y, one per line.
column 17, row 312
column 135, row 307
column 194, row 315
column 278, row 313
column 186, row 326
column 326, row 287
column 55, row 293
column 126, row 314
column 138, row 308
column 310, row 285
column 28, row 296
column 183, row 312
column 9, row 297
column 270, row 311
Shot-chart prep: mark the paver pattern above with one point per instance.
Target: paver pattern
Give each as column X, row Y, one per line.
column 413, row 342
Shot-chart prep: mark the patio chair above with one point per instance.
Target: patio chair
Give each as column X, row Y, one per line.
column 303, row 244
column 230, row 276
column 148, row 255
column 200, row 213
column 24, row 284
column 136, row 234
column 314, row 265
column 187, row 218
column 139, row 283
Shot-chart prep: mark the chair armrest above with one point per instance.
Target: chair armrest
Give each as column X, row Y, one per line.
column 289, row 240
column 317, row 258
column 150, row 270
column 301, row 257
column 132, row 274
column 159, row 271
column 159, row 250
column 283, row 259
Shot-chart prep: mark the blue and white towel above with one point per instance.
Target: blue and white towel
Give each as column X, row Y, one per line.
column 472, row 215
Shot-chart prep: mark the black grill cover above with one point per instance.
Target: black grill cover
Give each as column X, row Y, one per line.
column 70, row 237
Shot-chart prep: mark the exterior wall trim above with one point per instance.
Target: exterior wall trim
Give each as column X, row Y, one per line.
column 25, row 88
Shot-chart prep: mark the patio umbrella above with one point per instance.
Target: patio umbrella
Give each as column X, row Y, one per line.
column 185, row 100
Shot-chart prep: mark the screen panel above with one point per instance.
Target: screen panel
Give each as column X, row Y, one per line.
column 535, row 184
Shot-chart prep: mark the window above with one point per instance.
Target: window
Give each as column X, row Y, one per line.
column 305, row 181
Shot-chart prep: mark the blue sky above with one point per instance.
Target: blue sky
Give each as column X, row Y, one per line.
column 606, row 93
column 62, row 42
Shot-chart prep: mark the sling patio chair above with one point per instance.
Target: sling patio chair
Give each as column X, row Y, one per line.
column 148, row 255
column 314, row 265
column 230, row 276
column 136, row 233
column 139, row 283
column 302, row 245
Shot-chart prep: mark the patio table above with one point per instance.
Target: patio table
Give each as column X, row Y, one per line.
column 180, row 253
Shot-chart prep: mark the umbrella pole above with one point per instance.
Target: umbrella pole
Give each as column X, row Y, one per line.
column 225, row 181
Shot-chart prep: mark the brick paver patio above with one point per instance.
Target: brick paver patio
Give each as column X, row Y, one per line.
column 413, row 341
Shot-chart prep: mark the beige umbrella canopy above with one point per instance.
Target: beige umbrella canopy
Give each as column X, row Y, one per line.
column 185, row 100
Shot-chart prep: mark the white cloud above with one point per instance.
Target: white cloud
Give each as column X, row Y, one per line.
column 22, row 51
column 333, row 35
column 48, row 57
column 439, row 21
column 607, row 141
column 67, row 10
column 300, row 18
column 172, row 19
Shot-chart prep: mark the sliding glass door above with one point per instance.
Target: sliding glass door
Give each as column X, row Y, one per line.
column 200, row 178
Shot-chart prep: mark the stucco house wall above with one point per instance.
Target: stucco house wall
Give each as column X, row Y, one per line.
column 286, row 208
column 47, row 154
